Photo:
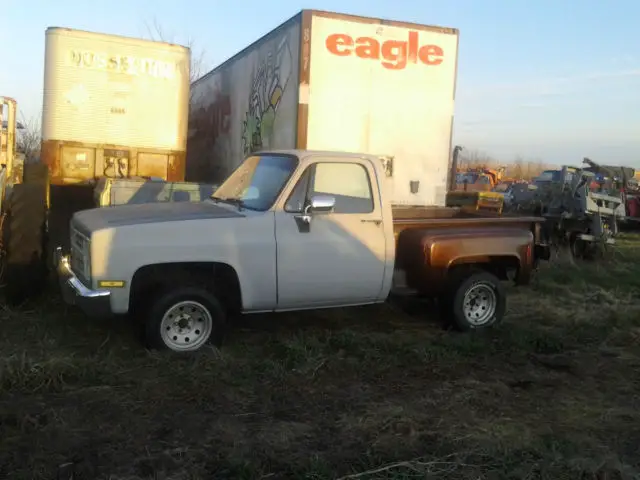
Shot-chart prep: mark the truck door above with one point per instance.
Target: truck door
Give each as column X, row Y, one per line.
column 337, row 258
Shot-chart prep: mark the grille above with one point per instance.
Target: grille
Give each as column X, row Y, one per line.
column 79, row 259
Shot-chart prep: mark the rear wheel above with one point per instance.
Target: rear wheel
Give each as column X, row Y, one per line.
column 24, row 225
column 476, row 301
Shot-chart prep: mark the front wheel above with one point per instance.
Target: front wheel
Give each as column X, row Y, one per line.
column 184, row 320
column 477, row 301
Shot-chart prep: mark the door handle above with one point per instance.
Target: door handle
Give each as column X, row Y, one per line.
column 369, row 220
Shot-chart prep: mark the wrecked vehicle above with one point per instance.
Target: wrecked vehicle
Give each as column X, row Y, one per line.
column 579, row 212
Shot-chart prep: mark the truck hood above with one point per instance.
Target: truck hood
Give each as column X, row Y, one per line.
column 126, row 215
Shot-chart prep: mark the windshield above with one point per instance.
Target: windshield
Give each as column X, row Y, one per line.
column 257, row 182
column 468, row 177
column 550, row 176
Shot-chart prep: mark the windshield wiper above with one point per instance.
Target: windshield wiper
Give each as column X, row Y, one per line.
column 233, row 201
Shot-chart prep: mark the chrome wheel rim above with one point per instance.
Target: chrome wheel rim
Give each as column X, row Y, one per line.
column 480, row 303
column 186, row 326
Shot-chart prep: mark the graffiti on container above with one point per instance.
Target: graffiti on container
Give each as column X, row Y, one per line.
column 116, row 163
column 268, row 87
column 213, row 120
column 206, row 125
column 115, row 167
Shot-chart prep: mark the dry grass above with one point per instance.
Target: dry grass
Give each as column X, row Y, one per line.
column 364, row 393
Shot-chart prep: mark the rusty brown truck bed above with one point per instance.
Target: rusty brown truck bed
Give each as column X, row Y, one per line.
column 438, row 249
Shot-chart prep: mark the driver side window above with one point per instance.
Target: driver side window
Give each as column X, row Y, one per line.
column 348, row 183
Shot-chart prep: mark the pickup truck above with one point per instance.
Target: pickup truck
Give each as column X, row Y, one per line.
column 290, row 230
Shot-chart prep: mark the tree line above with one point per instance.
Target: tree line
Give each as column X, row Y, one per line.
column 520, row 168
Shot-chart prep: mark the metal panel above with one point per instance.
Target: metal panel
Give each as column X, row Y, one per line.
column 73, row 169
column 112, row 90
column 383, row 88
column 153, row 165
column 248, row 103
column 78, row 162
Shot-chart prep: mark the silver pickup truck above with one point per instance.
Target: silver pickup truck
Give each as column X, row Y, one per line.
column 289, row 230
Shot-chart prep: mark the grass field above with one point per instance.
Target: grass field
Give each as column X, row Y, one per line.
column 376, row 392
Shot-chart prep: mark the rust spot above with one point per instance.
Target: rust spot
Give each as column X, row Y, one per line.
column 49, row 156
column 206, row 125
column 177, row 167
column 72, row 163
column 304, row 76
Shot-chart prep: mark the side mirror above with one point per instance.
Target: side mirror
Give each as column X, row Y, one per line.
column 318, row 204
column 321, row 204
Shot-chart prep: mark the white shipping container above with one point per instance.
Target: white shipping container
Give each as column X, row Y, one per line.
column 107, row 90
column 342, row 83
column 249, row 102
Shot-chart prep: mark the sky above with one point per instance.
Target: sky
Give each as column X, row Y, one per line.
column 544, row 80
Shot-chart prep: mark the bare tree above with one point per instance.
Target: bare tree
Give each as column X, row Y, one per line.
column 526, row 169
column 198, row 64
column 29, row 138
column 537, row 167
column 521, row 168
column 517, row 170
column 476, row 159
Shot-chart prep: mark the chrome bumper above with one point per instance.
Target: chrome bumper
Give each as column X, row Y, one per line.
column 74, row 292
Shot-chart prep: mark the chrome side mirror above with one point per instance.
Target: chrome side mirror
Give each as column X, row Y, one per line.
column 318, row 204
column 321, row 204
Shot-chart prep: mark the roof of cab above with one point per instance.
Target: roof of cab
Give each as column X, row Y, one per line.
column 317, row 153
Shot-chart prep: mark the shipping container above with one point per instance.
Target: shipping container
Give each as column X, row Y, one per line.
column 113, row 107
column 329, row 81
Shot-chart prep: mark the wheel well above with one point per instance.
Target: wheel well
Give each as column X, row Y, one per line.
column 220, row 278
column 500, row 265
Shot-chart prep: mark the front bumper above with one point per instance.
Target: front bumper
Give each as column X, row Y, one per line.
column 95, row 303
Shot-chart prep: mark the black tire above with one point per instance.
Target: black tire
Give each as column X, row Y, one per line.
column 197, row 302
column 65, row 200
column 35, row 174
column 25, row 236
column 485, row 284
column 581, row 249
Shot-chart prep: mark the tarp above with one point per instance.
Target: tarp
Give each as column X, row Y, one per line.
column 622, row 173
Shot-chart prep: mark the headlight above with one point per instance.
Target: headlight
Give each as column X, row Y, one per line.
column 81, row 255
